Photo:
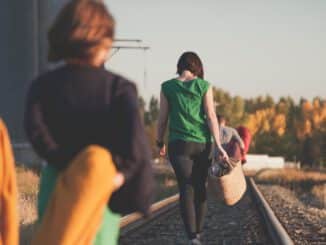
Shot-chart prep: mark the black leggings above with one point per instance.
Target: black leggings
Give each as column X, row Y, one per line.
column 190, row 162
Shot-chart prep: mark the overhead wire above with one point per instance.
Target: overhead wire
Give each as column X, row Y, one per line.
column 144, row 48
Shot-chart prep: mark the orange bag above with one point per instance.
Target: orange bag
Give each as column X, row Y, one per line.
column 8, row 191
column 75, row 210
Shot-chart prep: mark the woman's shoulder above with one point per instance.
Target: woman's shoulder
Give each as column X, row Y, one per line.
column 169, row 82
column 168, row 86
column 47, row 76
column 203, row 84
column 41, row 80
column 203, row 81
column 86, row 72
column 96, row 77
column 121, row 83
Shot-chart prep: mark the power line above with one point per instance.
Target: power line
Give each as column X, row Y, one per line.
column 117, row 48
column 131, row 47
column 128, row 40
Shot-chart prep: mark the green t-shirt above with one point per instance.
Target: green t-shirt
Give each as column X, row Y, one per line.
column 187, row 119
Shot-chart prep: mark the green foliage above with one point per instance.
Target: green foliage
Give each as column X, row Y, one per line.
column 233, row 108
column 314, row 149
column 150, row 118
column 304, row 136
column 259, row 103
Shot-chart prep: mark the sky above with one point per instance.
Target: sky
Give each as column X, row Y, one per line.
column 248, row 48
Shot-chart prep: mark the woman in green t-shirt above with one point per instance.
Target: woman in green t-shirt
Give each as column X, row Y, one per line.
column 187, row 103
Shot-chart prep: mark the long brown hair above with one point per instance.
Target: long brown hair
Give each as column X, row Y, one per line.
column 190, row 61
column 79, row 30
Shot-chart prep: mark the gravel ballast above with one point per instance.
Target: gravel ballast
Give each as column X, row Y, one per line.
column 304, row 223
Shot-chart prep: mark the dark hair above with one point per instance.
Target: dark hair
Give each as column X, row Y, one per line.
column 79, row 30
column 221, row 118
column 190, row 61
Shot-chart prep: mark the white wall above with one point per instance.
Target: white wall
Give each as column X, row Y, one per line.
column 256, row 162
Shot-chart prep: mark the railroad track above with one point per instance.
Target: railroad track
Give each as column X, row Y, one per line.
column 275, row 229
column 240, row 224
column 159, row 210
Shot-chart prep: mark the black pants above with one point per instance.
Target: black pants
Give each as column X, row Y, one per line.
column 190, row 161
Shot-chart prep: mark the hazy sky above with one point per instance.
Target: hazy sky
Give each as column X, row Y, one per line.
column 248, row 48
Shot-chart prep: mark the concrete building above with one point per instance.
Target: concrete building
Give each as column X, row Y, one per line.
column 257, row 162
column 23, row 54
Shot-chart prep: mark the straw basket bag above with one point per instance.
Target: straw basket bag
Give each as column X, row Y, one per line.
column 229, row 185
column 228, row 188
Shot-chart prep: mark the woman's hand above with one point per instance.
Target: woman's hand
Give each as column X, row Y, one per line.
column 162, row 151
column 223, row 153
column 161, row 125
column 118, row 181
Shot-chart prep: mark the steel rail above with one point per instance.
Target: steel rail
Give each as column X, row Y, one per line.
column 274, row 227
column 135, row 220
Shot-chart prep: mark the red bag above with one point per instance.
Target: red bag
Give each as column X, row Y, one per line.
column 246, row 138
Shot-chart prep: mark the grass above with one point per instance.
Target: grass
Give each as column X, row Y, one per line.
column 289, row 176
column 309, row 185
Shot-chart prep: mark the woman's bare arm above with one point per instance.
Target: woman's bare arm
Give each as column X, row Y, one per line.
column 212, row 120
column 163, row 117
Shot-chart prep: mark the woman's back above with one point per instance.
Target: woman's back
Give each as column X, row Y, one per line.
column 84, row 105
column 186, row 110
column 75, row 106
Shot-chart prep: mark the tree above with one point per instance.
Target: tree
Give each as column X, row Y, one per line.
column 237, row 111
column 151, row 115
column 154, row 108
column 141, row 104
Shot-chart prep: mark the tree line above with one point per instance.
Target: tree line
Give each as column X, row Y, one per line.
column 296, row 131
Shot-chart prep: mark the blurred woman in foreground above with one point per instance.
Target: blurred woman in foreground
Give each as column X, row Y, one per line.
column 75, row 114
